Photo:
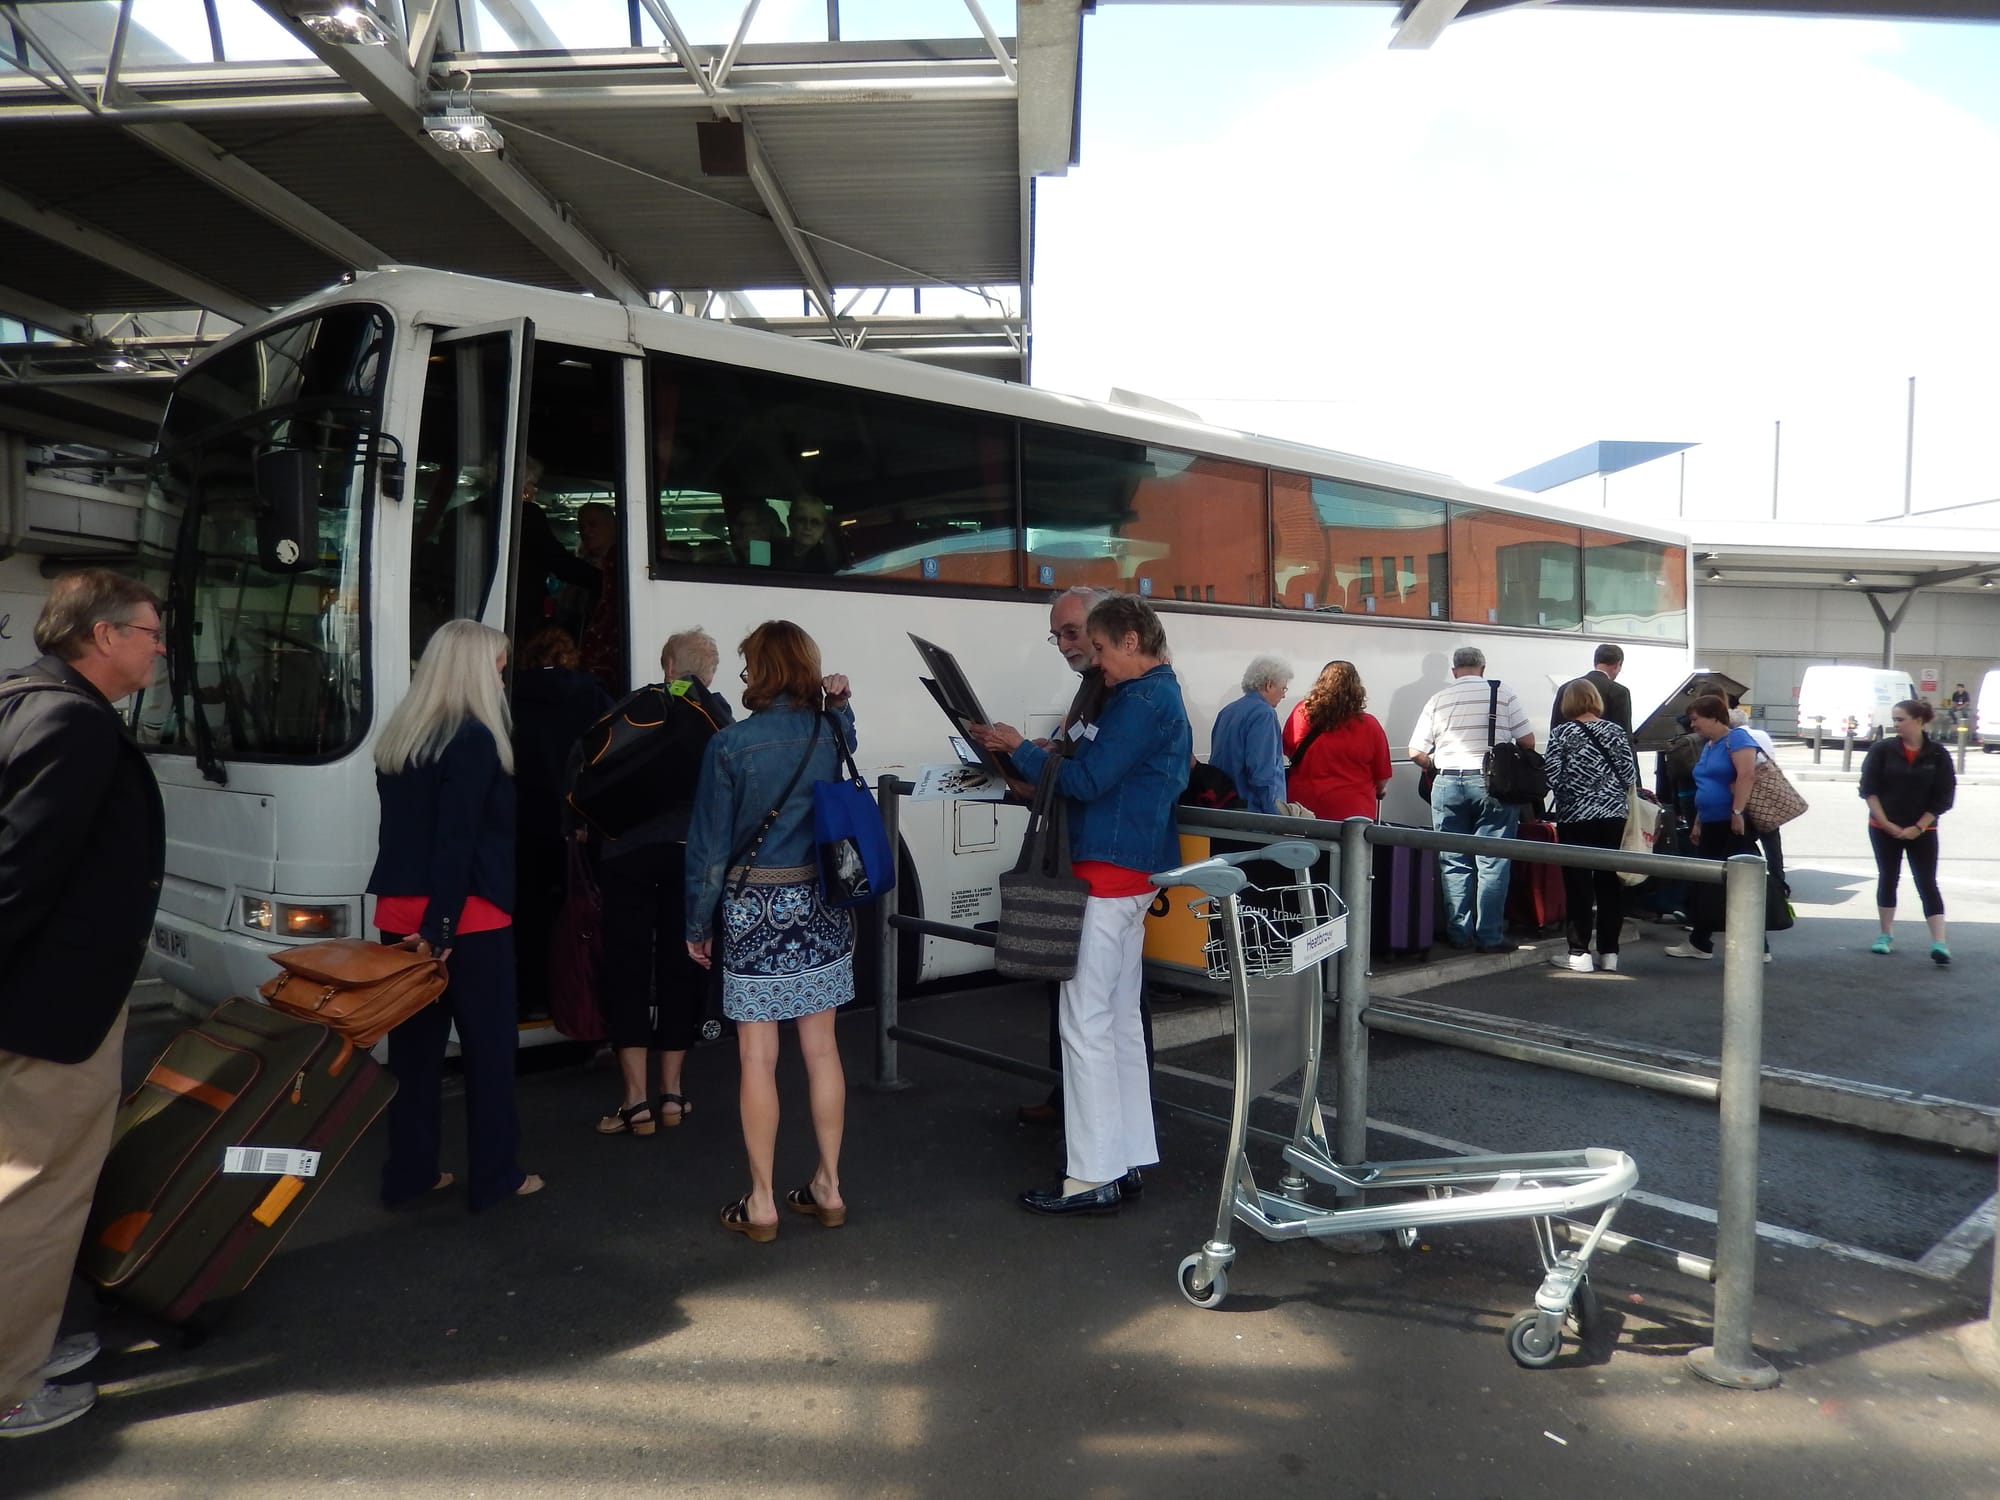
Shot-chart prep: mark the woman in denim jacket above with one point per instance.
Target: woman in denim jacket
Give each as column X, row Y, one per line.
column 786, row 955
column 1123, row 778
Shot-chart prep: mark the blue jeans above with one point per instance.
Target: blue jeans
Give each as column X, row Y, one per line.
column 1474, row 917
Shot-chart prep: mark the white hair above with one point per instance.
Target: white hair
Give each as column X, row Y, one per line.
column 687, row 649
column 455, row 681
column 1091, row 595
column 1266, row 671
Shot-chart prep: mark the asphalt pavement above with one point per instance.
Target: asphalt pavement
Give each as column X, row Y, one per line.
column 607, row 1337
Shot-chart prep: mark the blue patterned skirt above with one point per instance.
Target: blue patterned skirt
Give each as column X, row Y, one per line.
column 785, row 952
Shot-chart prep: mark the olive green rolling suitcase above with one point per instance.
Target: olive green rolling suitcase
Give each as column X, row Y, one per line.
column 219, row 1151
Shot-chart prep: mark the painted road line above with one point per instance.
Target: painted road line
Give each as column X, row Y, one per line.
column 1954, row 1252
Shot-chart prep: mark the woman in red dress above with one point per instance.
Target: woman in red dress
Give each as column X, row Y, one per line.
column 1337, row 756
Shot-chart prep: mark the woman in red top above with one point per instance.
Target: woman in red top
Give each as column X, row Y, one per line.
column 1337, row 756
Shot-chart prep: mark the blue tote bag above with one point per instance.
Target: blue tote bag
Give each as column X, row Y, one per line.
column 856, row 864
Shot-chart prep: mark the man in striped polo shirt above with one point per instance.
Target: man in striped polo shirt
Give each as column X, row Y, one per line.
column 1452, row 738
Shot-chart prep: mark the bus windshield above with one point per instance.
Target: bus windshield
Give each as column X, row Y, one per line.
column 266, row 655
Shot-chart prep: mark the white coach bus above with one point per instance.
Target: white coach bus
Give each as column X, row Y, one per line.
column 395, row 417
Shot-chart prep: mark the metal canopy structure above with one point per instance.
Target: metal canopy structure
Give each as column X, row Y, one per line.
column 158, row 189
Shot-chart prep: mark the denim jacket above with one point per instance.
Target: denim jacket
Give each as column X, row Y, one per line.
column 743, row 770
column 1125, row 782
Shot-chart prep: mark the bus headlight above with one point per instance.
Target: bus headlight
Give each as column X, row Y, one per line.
column 272, row 918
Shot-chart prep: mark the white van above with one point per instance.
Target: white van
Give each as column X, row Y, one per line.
column 1863, row 696
column 1986, row 713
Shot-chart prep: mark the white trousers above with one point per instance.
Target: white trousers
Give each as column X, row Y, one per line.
column 1107, row 1105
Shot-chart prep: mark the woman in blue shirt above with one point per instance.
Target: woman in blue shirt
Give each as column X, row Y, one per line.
column 1123, row 781
column 1245, row 741
column 1722, row 780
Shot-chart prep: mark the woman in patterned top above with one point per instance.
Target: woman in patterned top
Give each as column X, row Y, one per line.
column 1591, row 767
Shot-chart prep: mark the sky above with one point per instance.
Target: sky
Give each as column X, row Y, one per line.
column 1552, row 227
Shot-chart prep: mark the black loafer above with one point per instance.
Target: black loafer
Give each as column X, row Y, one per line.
column 1132, row 1184
column 1052, row 1200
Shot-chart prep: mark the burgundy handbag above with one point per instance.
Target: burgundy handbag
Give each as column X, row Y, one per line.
column 576, row 952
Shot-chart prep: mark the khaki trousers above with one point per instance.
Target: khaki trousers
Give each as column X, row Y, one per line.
column 55, row 1128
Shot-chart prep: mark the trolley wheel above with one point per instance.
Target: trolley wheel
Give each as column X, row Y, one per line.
column 1203, row 1296
column 1531, row 1346
column 1585, row 1311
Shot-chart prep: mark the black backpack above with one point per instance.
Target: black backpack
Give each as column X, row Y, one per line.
column 640, row 759
column 1514, row 775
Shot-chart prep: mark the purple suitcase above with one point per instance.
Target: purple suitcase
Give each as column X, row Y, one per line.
column 1404, row 901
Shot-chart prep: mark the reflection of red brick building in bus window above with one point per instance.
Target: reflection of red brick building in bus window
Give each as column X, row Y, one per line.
column 1345, row 546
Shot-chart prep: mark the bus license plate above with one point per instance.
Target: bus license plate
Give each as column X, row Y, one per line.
column 171, row 943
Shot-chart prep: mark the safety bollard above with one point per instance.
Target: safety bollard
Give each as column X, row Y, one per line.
column 1963, row 734
column 1819, row 738
column 1847, row 749
column 1731, row 1360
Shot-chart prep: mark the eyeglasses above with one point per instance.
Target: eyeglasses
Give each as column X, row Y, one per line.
column 1069, row 633
column 153, row 630
column 744, row 675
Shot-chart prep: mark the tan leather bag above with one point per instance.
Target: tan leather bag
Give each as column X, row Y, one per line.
column 362, row 990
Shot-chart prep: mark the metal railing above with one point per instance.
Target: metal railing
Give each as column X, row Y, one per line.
column 1731, row 1360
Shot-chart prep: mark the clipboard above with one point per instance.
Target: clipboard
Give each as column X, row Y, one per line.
column 949, row 688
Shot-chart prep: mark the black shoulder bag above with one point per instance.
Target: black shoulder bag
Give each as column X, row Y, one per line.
column 1514, row 774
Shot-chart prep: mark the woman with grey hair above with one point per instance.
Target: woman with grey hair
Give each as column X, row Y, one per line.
column 1245, row 743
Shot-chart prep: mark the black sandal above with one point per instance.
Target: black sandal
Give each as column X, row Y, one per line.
column 736, row 1219
column 627, row 1121
column 682, row 1109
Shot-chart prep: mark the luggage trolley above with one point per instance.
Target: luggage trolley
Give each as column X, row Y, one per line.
column 1270, row 943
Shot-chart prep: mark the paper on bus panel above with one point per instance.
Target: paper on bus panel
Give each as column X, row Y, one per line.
column 958, row 783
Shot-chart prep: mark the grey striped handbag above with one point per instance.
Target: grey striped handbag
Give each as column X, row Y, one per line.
column 1041, row 902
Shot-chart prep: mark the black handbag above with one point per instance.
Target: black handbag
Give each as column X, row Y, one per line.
column 1041, row 901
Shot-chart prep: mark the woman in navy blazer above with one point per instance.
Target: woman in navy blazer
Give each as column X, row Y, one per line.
column 444, row 874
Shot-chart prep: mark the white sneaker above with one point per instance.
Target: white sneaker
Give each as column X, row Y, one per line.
column 1688, row 950
column 47, row 1409
column 1576, row 963
column 72, row 1353
column 1608, row 962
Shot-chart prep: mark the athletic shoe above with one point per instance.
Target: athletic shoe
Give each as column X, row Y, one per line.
column 72, row 1353
column 1608, row 962
column 1576, row 963
column 1688, row 950
column 47, row 1409
column 1883, row 944
column 1940, row 955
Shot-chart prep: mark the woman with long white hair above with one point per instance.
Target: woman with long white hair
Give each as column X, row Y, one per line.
column 444, row 876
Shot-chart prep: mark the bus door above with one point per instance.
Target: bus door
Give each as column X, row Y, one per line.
column 470, row 469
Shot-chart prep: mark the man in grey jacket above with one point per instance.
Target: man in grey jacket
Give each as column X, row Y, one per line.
column 82, row 853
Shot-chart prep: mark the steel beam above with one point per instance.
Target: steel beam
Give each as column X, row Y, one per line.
column 383, row 77
column 1425, row 22
column 772, row 193
column 188, row 149
column 121, row 255
column 26, row 307
column 46, row 428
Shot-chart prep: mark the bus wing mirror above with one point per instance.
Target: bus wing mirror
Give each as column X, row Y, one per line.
column 288, row 485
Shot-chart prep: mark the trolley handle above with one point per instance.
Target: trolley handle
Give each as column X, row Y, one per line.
column 1223, row 875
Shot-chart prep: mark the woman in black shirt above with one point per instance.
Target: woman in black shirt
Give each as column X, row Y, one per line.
column 1909, row 784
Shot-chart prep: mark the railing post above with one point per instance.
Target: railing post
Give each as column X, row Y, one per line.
column 1351, row 1091
column 1731, row 1360
column 888, row 979
column 1847, row 748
